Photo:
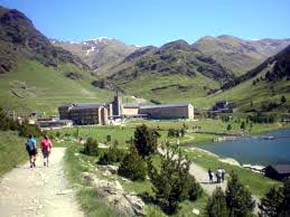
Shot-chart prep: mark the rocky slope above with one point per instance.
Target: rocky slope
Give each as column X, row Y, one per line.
column 237, row 54
column 19, row 39
column 100, row 53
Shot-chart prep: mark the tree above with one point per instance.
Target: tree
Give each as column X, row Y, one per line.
column 91, row 147
column 285, row 207
column 270, row 204
column 172, row 183
column 145, row 140
column 239, row 199
column 113, row 155
column 216, row 205
column 283, row 99
column 229, row 127
column 243, row 125
column 133, row 166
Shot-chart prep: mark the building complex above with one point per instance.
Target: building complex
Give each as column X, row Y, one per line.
column 102, row 114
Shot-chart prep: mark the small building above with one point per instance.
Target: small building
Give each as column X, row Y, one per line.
column 168, row 111
column 278, row 172
column 222, row 106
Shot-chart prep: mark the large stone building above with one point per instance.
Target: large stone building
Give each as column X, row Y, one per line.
column 102, row 114
column 168, row 111
column 85, row 114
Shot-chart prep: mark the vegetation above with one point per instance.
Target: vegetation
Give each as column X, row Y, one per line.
column 145, row 140
column 172, row 183
column 276, row 202
column 91, row 147
column 217, row 205
column 113, row 155
column 12, row 151
column 239, row 199
column 133, row 166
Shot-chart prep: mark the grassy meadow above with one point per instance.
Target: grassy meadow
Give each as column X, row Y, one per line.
column 12, row 151
column 34, row 87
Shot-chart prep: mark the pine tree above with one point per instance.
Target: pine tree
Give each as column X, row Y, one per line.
column 133, row 166
column 239, row 199
column 172, row 183
column 145, row 140
column 229, row 127
column 285, row 207
column 216, row 205
column 243, row 126
column 283, row 99
column 270, row 204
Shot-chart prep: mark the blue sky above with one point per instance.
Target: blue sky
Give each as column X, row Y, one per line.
column 155, row 22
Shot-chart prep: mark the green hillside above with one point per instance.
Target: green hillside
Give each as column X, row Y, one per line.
column 34, row 87
column 175, row 72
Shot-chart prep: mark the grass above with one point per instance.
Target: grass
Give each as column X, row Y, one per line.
column 91, row 203
column 34, row 87
column 257, row 183
column 12, row 151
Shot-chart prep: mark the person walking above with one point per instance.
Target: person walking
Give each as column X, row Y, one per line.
column 46, row 146
column 223, row 174
column 210, row 175
column 31, row 149
column 219, row 175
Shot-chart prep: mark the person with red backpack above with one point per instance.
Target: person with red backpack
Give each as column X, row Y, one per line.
column 46, row 146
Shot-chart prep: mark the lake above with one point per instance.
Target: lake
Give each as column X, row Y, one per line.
column 255, row 149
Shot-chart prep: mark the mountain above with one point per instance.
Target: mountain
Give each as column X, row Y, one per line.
column 100, row 53
column 239, row 55
column 175, row 67
column 19, row 38
column 260, row 89
column 36, row 75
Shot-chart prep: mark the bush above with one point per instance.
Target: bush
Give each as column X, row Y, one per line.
column 216, row 205
column 172, row 183
column 91, row 147
column 133, row 166
column 113, row 155
column 145, row 140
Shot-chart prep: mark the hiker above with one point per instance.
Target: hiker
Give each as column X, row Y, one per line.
column 32, row 150
column 46, row 146
column 223, row 174
column 210, row 175
column 219, row 175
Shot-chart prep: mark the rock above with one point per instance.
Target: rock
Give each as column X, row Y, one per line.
column 109, row 168
column 196, row 211
column 89, row 178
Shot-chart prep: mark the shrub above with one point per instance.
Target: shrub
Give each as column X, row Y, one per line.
column 239, row 199
column 91, row 147
column 133, row 166
column 216, row 205
column 145, row 140
column 113, row 155
column 172, row 183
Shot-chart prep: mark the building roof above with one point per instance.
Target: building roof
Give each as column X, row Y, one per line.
column 85, row 106
column 282, row 168
column 164, row 106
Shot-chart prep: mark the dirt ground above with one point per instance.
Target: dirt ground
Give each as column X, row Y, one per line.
column 41, row 191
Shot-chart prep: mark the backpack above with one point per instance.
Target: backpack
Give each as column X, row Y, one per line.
column 30, row 144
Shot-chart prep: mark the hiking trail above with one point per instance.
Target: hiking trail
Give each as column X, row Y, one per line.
column 41, row 191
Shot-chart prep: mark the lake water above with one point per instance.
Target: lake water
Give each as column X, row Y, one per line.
column 255, row 149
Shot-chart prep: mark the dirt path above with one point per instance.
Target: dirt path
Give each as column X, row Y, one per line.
column 40, row 192
column 201, row 176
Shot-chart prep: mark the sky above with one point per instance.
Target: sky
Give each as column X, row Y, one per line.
column 155, row 22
